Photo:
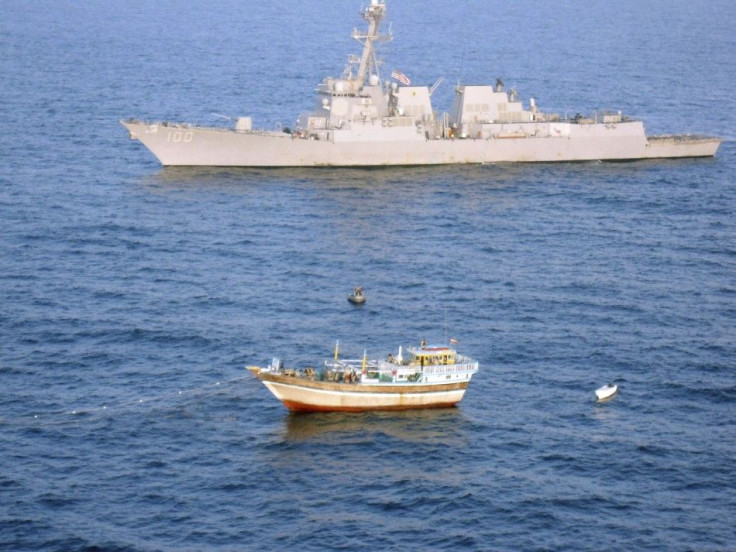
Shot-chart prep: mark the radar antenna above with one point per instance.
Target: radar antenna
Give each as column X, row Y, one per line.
column 374, row 13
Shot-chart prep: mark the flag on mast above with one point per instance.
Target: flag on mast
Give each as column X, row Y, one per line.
column 401, row 77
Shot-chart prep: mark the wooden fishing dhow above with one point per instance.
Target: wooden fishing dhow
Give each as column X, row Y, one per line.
column 431, row 376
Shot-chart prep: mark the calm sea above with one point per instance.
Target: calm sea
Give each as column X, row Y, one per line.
column 131, row 296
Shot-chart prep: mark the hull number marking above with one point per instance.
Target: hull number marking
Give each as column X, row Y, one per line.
column 177, row 136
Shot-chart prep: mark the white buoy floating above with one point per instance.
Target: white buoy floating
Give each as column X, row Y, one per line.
column 606, row 392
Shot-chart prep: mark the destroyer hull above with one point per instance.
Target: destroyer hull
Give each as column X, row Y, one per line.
column 315, row 396
column 176, row 145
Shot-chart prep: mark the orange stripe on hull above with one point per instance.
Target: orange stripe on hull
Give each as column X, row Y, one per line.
column 301, row 407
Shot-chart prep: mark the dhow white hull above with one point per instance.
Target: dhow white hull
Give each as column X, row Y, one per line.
column 314, row 396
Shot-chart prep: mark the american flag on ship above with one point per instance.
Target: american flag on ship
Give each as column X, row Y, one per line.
column 401, row 77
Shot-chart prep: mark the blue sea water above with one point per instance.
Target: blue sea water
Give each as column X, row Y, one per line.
column 132, row 296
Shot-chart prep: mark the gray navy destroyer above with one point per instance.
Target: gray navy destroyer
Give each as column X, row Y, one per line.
column 362, row 120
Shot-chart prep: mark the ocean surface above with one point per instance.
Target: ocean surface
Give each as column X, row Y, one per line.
column 132, row 296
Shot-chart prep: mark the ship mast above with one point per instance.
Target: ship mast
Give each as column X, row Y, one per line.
column 374, row 13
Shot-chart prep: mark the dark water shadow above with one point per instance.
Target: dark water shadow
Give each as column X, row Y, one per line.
column 410, row 425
